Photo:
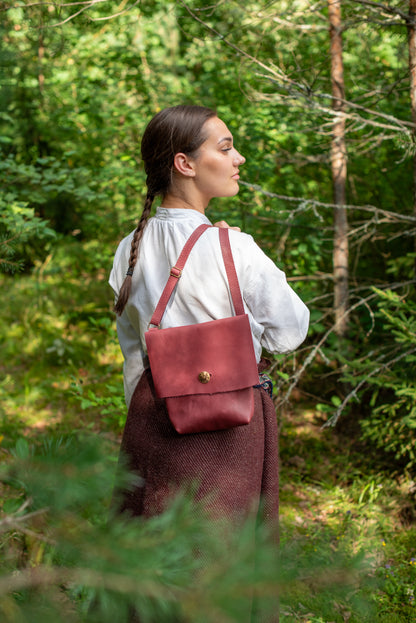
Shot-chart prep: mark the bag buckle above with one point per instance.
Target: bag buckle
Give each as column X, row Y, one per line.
column 175, row 272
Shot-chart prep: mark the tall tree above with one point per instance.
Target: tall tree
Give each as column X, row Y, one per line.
column 339, row 172
column 411, row 29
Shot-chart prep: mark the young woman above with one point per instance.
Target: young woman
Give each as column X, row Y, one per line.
column 189, row 158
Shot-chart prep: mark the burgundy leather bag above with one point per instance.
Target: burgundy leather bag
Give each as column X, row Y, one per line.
column 206, row 371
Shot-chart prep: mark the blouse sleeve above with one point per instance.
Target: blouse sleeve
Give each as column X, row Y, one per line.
column 128, row 336
column 282, row 316
column 133, row 354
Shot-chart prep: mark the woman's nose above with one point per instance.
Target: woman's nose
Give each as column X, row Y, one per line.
column 239, row 159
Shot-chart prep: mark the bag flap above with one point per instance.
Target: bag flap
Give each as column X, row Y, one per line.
column 222, row 350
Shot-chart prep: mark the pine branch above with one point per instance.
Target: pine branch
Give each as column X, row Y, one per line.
column 317, row 348
column 10, row 266
column 354, row 393
column 44, row 576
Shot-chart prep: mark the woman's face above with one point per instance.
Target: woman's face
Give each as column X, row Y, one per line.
column 217, row 161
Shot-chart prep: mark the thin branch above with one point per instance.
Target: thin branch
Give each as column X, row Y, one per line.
column 316, row 277
column 307, row 204
column 71, row 17
column 280, row 77
column 354, row 393
column 222, row 38
column 369, row 111
column 388, row 9
column 14, row 521
column 308, row 94
column 302, row 27
column 85, row 6
column 100, row 19
column 386, row 23
column 54, row 4
column 44, row 576
column 275, row 75
column 295, row 378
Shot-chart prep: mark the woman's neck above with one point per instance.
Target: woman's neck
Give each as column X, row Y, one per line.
column 174, row 201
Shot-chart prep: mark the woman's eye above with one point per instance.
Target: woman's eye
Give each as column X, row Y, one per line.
column 226, row 149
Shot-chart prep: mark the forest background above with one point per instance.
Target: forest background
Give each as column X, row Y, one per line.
column 323, row 106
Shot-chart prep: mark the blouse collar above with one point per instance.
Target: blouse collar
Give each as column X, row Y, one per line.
column 181, row 214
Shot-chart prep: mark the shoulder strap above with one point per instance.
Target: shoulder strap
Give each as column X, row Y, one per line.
column 176, row 272
column 231, row 272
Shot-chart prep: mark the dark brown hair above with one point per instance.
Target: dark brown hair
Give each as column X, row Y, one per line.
column 171, row 131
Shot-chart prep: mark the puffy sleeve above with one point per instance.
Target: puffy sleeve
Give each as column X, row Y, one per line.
column 281, row 316
column 128, row 334
column 133, row 354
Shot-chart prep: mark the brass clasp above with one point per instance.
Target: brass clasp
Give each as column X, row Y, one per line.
column 204, row 377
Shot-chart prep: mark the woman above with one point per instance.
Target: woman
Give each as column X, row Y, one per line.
column 189, row 158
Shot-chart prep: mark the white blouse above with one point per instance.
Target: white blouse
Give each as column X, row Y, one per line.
column 279, row 319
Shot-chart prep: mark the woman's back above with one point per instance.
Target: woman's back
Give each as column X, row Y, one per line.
column 278, row 318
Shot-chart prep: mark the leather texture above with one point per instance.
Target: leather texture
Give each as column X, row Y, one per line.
column 208, row 412
column 220, row 347
column 205, row 371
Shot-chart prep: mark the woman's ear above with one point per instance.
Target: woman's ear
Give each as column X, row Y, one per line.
column 184, row 164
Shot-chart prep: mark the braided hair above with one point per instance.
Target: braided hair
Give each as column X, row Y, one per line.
column 171, row 131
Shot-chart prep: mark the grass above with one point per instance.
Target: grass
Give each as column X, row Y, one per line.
column 56, row 335
column 338, row 501
column 344, row 515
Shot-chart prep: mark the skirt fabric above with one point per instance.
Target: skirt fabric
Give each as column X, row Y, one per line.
column 235, row 471
column 236, row 468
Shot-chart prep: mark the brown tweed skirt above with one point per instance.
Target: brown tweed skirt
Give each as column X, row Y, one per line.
column 236, row 471
column 236, row 468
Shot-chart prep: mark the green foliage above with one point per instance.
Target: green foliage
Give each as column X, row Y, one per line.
column 19, row 226
column 57, row 325
column 75, row 95
column 111, row 406
column 53, row 187
column 398, row 586
column 391, row 424
column 96, row 566
column 65, row 557
column 379, row 376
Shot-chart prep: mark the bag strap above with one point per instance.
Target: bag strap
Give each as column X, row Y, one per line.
column 231, row 272
column 176, row 272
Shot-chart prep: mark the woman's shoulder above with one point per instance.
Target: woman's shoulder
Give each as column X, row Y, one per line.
column 242, row 242
column 237, row 237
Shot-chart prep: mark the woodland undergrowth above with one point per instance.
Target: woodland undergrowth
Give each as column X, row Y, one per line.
column 348, row 519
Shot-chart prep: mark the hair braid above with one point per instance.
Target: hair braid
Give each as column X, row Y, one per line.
column 125, row 289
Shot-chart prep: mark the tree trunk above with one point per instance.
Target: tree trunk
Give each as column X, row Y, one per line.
column 411, row 29
column 41, row 54
column 339, row 173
